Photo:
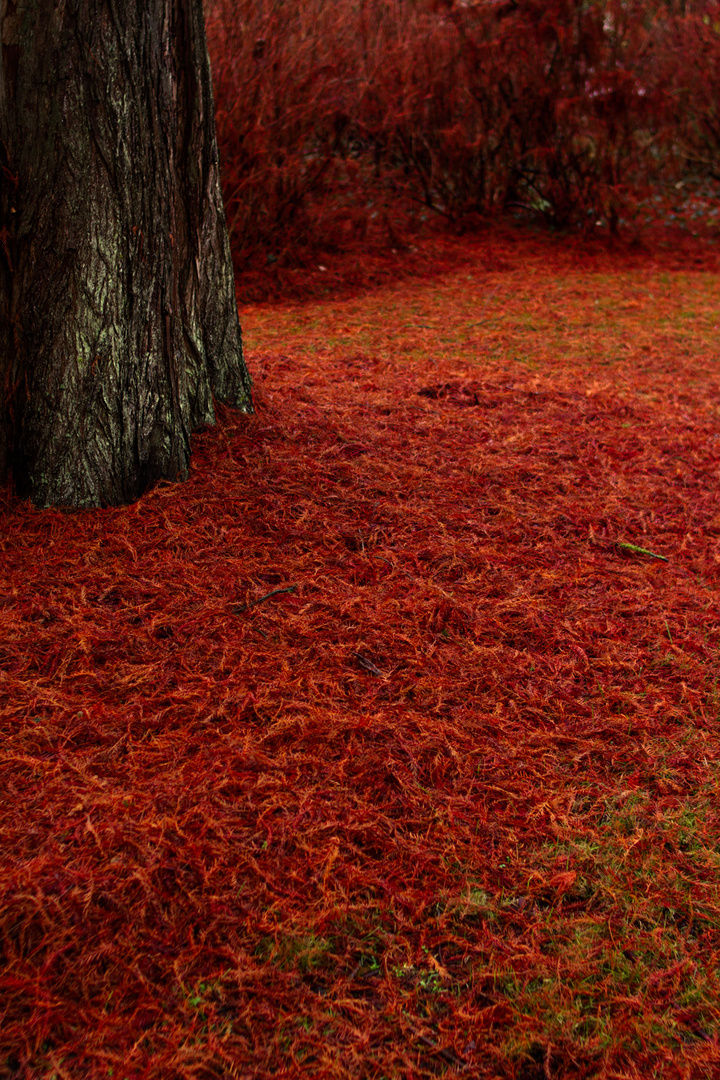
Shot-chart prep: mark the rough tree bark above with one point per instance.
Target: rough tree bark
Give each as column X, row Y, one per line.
column 118, row 318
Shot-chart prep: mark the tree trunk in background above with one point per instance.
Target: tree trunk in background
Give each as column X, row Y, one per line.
column 118, row 317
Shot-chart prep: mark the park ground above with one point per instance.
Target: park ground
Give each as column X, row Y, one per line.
column 387, row 745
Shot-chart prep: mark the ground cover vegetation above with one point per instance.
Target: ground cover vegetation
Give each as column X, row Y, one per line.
column 387, row 745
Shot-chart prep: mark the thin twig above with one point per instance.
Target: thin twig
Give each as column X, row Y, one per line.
column 368, row 664
column 238, row 609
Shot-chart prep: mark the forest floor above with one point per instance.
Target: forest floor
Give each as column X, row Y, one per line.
column 388, row 745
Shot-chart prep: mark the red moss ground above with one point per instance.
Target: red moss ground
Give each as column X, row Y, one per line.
column 387, row 745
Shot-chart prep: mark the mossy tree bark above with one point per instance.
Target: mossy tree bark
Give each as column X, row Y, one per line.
column 118, row 317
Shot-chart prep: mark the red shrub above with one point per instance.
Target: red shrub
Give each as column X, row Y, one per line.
column 570, row 111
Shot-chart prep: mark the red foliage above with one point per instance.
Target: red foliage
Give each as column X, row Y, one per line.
column 370, row 750
column 333, row 119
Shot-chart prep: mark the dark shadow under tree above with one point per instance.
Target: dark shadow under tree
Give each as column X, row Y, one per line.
column 118, row 317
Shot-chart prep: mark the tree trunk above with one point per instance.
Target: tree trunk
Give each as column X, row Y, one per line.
column 118, row 317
